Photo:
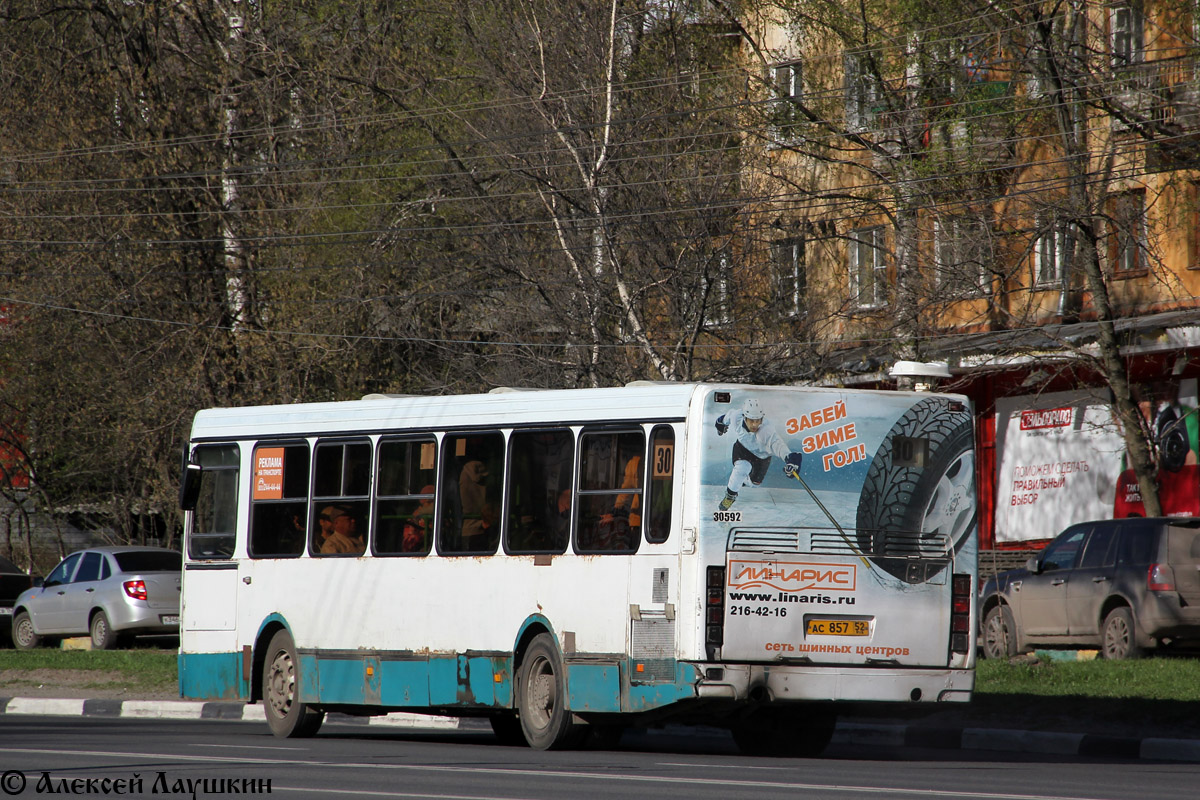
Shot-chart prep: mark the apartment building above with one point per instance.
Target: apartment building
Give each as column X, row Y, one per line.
column 1012, row 191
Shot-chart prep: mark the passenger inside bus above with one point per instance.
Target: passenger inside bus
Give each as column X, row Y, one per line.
column 619, row 528
column 560, row 520
column 325, row 525
column 345, row 537
column 615, row 528
column 478, row 511
column 419, row 525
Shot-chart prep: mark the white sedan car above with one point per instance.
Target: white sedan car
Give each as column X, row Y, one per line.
column 109, row 593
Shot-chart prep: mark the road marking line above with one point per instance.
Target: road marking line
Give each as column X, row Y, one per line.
column 554, row 774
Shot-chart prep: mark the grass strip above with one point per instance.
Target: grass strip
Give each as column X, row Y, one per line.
column 135, row 668
column 1175, row 679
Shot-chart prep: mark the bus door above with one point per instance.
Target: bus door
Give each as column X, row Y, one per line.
column 209, row 600
column 655, row 576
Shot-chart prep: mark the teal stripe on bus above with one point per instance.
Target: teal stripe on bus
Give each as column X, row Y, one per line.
column 211, row 676
column 594, row 687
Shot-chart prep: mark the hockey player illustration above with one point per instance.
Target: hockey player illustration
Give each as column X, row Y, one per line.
column 755, row 442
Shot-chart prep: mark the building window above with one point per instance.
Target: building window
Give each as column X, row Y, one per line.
column 1053, row 252
column 861, row 91
column 787, row 256
column 1127, row 241
column 868, row 267
column 1125, row 26
column 787, row 89
column 963, row 247
column 1040, row 55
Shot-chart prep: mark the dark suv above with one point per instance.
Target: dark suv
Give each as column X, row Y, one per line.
column 1122, row 585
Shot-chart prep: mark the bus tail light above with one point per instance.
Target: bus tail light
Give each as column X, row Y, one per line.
column 960, row 613
column 1160, row 578
column 135, row 589
column 714, row 610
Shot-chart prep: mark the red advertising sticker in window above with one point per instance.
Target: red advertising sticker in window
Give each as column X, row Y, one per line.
column 268, row 473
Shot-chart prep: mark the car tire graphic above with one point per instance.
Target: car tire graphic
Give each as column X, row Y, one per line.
column 1172, row 440
column 917, row 506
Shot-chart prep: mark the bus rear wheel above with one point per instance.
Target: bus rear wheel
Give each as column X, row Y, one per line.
column 542, row 698
column 797, row 733
column 287, row 717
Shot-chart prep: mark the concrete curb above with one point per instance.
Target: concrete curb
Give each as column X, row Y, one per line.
column 852, row 732
column 192, row 709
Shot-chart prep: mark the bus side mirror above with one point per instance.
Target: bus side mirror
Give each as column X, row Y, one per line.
column 189, row 486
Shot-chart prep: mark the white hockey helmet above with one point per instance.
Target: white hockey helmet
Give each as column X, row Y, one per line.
column 752, row 409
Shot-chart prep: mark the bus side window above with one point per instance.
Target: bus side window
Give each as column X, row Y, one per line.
column 279, row 495
column 214, row 519
column 662, row 481
column 472, row 475
column 608, row 516
column 341, row 498
column 405, row 498
column 539, row 491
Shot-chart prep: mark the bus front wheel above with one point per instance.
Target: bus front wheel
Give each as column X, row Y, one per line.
column 286, row 715
column 542, row 698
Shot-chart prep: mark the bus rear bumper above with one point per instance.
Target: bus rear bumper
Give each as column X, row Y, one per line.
column 779, row 683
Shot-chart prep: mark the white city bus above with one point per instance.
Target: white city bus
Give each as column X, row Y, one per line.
column 569, row 560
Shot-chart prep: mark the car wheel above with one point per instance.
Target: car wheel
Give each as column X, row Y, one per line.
column 103, row 636
column 925, row 511
column 999, row 634
column 23, row 635
column 1119, row 640
column 793, row 733
column 542, row 698
column 286, row 716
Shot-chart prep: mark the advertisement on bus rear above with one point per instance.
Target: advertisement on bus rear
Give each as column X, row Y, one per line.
column 844, row 516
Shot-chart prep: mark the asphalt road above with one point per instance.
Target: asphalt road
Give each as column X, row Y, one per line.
column 210, row 759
